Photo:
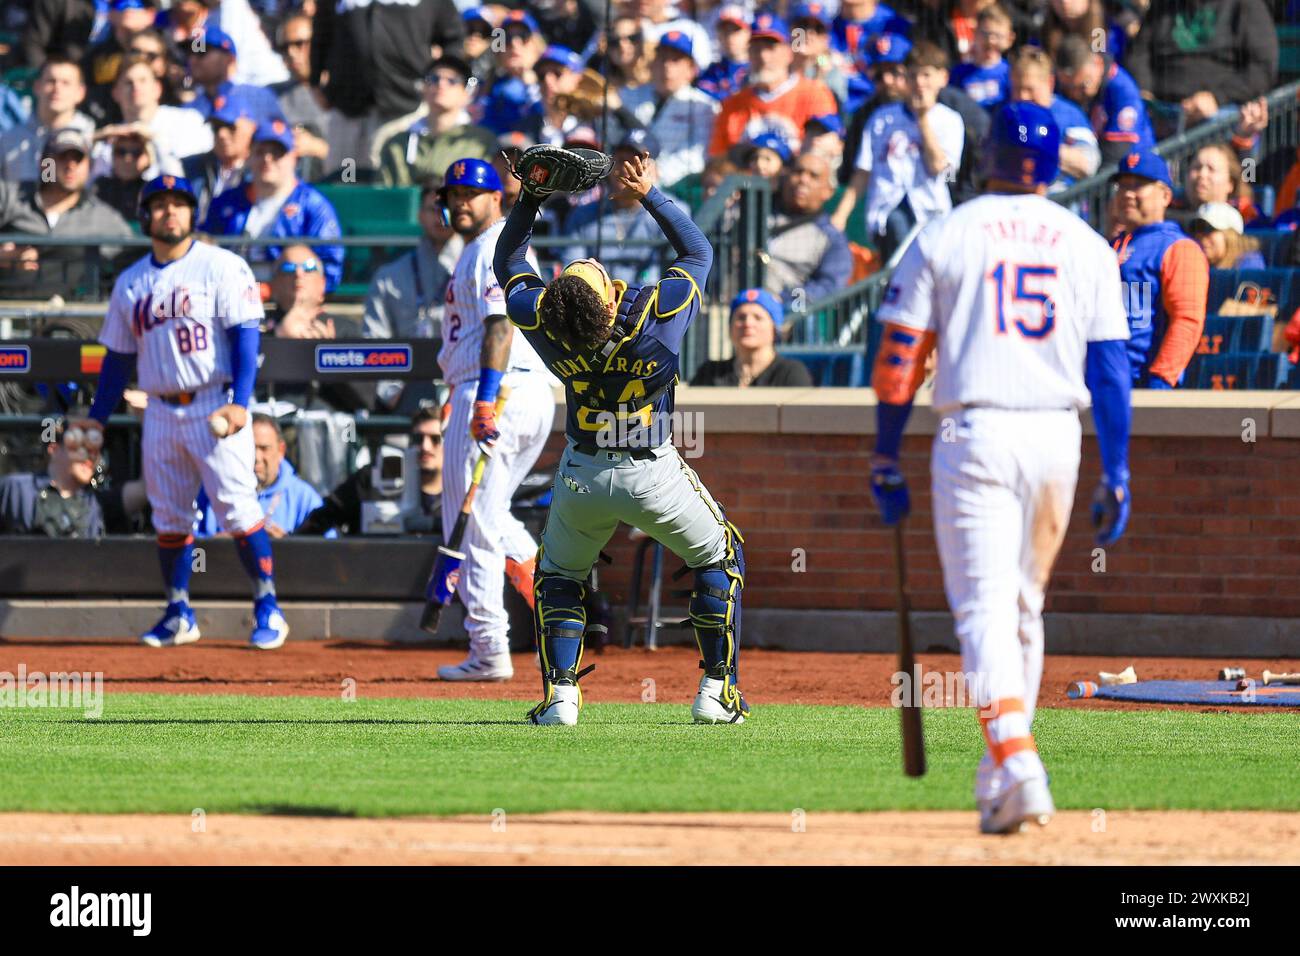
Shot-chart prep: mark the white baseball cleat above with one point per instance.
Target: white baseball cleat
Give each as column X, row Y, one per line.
column 1012, row 811
column 175, row 628
column 270, row 632
column 565, row 701
column 495, row 668
column 711, row 706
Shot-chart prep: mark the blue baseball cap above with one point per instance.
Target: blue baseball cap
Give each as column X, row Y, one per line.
column 885, row 48
column 274, row 131
column 119, row 5
column 474, row 15
column 520, row 18
column 768, row 26
column 775, row 142
column 215, row 39
column 639, row 141
column 563, row 56
column 226, row 110
column 830, row 123
column 763, row 299
column 811, row 11
column 677, row 40
column 473, row 172
column 1145, row 163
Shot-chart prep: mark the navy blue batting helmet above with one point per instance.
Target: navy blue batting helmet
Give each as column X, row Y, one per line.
column 476, row 173
column 1023, row 146
column 159, row 186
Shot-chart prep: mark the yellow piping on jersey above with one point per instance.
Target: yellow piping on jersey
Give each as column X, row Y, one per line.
column 695, row 290
column 654, row 301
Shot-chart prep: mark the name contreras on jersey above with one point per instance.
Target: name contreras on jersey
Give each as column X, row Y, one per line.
column 566, row 368
column 1016, row 230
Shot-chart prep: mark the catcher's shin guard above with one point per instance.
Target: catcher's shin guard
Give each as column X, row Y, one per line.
column 560, row 619
column 715, row 615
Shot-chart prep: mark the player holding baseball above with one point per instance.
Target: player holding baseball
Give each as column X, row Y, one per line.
column 1021, row 302
column 616, row 347
column 185, row 320
column 480, row 353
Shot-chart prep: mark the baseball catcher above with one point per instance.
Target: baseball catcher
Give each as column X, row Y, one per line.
column 615, row 348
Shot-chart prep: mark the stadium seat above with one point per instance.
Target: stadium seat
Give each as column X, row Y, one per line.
column 371, row 211
column 833, row 367
column 1288, row 40
column 1236, row 333
column 1284, row 283
column 1231, row 371
column 1273, row 243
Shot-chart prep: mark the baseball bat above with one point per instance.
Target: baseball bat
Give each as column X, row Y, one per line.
column 446, row 569
column 910, row 713
column 1272, row 677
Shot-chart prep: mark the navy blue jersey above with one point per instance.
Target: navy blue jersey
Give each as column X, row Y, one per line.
column 625, row 398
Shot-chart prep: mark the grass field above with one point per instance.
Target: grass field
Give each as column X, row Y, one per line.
column 385, row 757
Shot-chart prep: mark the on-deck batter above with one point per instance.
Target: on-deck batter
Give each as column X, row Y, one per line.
column 186, row 319
column 479, row 353
column 1018, row 297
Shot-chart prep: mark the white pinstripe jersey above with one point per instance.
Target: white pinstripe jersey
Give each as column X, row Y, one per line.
column 174, row 317
column 472, row 295
column 1014, row 287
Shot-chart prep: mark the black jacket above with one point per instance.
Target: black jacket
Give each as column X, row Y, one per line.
column 375, row 51
column 57, row 27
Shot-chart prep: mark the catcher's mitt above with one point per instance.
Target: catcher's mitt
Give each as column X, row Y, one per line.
column 547, row 169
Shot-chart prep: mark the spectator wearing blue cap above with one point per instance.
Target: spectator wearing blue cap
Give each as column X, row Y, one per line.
column 443, row 134
column 858, row 20
column 765, row 155
column 212, row 67
column 824, row 135
column 661, row 16
column 258, row 64
column 476, row 47
column 881, row 79
column 224, row 168
column 810, row 24
column 514, row 101
column 275, row 203
column 374, row 55
column 618, row 217
column 103, row 61
column 558, row 71
column 1165, row 272
column 755, row 327
column 728, row 72
column 683, row 116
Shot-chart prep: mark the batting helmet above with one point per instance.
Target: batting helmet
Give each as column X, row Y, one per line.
column 1023, row 146
column 470, row 172
column 161, row 185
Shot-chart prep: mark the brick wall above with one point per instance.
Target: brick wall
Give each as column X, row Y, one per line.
column 1215, row 528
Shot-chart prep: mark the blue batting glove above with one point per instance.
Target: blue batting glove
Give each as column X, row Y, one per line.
column 1159, row 384
column 1110, row 509
column 889, row 488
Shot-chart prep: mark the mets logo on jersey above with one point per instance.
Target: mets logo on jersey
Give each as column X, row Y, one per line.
column 363, row 358
column 15, row 359
column 290, row 210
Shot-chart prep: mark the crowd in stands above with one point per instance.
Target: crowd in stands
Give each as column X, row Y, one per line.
column 867, row 118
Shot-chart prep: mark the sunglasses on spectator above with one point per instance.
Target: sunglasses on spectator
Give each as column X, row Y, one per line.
column 128, row 152
column 290, row 44
column 292, row 268
column 419, row 438
column 518, row 36
column 632, row 38
column 448, row 79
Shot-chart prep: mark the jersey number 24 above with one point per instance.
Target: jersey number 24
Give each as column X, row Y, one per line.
column 1026, row 286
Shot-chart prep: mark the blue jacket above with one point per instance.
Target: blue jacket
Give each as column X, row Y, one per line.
column 1165, row 278
column 306, row 214
column 286, row 502
column 1119, row 116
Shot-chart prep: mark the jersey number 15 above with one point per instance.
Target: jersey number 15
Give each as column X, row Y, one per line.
column 1036, row 316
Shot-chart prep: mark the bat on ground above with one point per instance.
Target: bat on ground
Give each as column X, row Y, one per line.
column 910, row 712
column 446, row 569
column 1272, row 677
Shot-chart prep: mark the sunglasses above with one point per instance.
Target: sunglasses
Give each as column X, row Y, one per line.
column 446, row 79
column 292, row 268
column 419, row 438
column 149, row 55
column 290, row 44
column 127, row 152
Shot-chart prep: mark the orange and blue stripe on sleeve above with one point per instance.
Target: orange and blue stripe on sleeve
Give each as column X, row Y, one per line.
column 900, row 363
column 1184, row 286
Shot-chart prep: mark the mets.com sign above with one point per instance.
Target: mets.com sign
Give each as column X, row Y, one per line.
column 363, row 358
column 15, row 359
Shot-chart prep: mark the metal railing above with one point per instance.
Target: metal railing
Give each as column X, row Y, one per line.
column 1090, row 196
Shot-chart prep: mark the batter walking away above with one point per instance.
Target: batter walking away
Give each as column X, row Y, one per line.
column 479, row 354
column 615, row 347
column 1021, row 301
column 185, row 320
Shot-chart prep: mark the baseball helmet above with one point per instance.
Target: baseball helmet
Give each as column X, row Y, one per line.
column 476, row 173
column 1023, row 145
column 160, row 185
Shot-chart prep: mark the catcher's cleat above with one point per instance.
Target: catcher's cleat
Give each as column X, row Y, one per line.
column 520, row 574
column 269, row 629
column 498, row 667
column 176, row 627
column 560, row 708
column 1022, row 804
column 719, row 702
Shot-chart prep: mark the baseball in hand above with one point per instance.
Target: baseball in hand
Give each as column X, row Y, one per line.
column 219, row 425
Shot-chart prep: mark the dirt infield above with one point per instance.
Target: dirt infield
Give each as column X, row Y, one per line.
column 320, row 668
column 1129, row 838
